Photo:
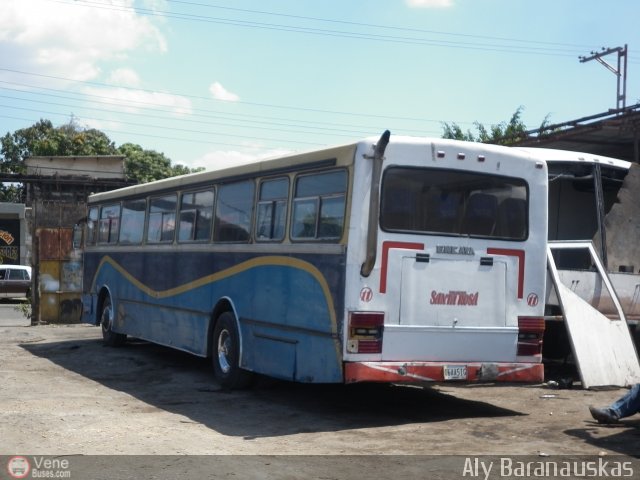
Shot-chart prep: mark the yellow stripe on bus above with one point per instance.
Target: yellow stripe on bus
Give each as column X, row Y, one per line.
column 236, row 269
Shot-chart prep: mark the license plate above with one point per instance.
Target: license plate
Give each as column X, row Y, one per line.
column 455, row 372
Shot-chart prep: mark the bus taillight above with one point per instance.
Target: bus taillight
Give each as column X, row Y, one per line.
column 530, row 332
column 365, row 332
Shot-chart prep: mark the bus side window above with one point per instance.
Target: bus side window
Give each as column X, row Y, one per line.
column 234, row 212
column 133, row 212
column 162, row 219
column 196, row 216
column 109, row 224
column 319, row 206
column 92, row 224
column 272, row 209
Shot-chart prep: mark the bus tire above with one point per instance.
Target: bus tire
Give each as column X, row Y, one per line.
column 109, row 337
column 226, row 354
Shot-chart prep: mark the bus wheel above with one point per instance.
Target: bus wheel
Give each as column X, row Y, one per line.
column 226, row 354
column 109, row 337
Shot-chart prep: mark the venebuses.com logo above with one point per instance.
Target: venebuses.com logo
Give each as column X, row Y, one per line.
column 18, row 467
column 38, row 467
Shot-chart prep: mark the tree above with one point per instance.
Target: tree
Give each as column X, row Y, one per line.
column 43, row 139
column 144, row 166
column 505, row 133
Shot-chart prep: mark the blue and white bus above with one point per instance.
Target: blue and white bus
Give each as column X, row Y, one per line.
column 396, row 259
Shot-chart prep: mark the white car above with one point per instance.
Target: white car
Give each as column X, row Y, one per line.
column 15, row 281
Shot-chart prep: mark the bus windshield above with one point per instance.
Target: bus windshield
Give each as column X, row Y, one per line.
column 454, row 202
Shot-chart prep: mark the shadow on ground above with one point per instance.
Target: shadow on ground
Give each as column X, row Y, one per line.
column 622, row 438
column 183, row 384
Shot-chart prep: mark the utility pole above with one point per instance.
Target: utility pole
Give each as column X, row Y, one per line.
column 620, row 72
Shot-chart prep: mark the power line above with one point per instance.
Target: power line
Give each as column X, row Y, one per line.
column 162, row 127
column 204, row 113
column 333, row 132
column 199, row 97
column 328, row 33
column 208, row 113
column 139, row 134
column 372, row 25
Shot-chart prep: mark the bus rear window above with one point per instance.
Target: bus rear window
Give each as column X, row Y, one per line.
column 453, row 202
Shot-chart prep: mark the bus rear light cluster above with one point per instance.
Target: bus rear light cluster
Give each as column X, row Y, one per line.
column 365, row 332
column 530, row 332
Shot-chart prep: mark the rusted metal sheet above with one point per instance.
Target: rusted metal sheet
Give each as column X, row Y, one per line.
column 48, row 244
column 70, row 308
column 48, row 276
column 71, row 276
column 54, row 243
column 49, row 308
column 59, row 277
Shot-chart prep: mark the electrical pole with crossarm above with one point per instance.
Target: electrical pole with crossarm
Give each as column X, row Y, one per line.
column 620, row 72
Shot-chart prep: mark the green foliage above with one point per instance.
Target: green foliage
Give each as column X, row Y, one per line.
column 24, row 308
column 43, row 139
column 144, row 166
column 505, row 133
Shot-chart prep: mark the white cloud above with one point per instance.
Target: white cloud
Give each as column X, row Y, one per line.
column 233, row 158
column 125, row 77
column 429, row 3
column 156, row 5
column 221, row 93
column 71, row 40
column 133, row 100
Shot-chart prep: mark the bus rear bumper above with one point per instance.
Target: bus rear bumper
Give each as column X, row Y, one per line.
column 417, row 372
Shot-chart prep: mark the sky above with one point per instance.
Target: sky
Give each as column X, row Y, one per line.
column 213, row 83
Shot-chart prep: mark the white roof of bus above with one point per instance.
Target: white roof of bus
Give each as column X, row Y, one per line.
column 297, row 158
column 551, row 155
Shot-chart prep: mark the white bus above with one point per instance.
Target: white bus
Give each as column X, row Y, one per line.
column 387, row 260
column 592, row 201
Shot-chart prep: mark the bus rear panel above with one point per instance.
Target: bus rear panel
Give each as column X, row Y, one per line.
column 457, row 291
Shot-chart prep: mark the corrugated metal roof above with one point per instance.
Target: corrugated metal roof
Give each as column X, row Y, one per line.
column 615, row 133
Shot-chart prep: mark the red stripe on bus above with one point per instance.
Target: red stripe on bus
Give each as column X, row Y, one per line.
column 386, row 246
column 509, row 252
column 418, row 372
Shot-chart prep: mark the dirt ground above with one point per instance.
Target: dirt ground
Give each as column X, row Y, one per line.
column 64, row 393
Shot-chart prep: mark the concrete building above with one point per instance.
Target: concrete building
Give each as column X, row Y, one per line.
column 56, row 193
column 15, row 235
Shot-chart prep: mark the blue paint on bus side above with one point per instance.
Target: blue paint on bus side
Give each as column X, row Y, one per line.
column 288, row 308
